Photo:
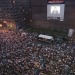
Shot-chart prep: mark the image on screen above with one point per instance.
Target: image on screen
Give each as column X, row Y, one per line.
column 55, row 10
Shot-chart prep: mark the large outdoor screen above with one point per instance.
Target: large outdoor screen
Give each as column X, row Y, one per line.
column 55, row 11
column 55, row 1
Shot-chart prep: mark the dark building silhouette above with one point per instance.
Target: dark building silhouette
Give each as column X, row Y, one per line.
column 6, row 10
column 16, row 10
column 22, row 12
column 39, row 16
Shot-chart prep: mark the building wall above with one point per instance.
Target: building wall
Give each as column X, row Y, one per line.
column 21, row 10
column 39, row 16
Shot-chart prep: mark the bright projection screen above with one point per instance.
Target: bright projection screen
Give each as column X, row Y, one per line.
column 55, row 11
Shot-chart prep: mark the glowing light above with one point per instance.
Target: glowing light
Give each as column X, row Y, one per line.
column 4, row 22
column 0, row 25
column 55, row 9
column 14, row 1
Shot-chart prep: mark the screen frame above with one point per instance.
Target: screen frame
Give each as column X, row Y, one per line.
column 56, row 16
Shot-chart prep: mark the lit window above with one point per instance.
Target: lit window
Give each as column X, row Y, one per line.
column 24, row 18
column 23, row 10
column 13, row 1
column 20, row 7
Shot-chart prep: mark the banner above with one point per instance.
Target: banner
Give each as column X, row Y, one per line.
column 70, row 33
column 56, row 1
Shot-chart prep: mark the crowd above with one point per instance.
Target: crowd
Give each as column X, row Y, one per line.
column 22, row 54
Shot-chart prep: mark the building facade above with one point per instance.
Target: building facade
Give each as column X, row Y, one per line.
column 39, row 16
